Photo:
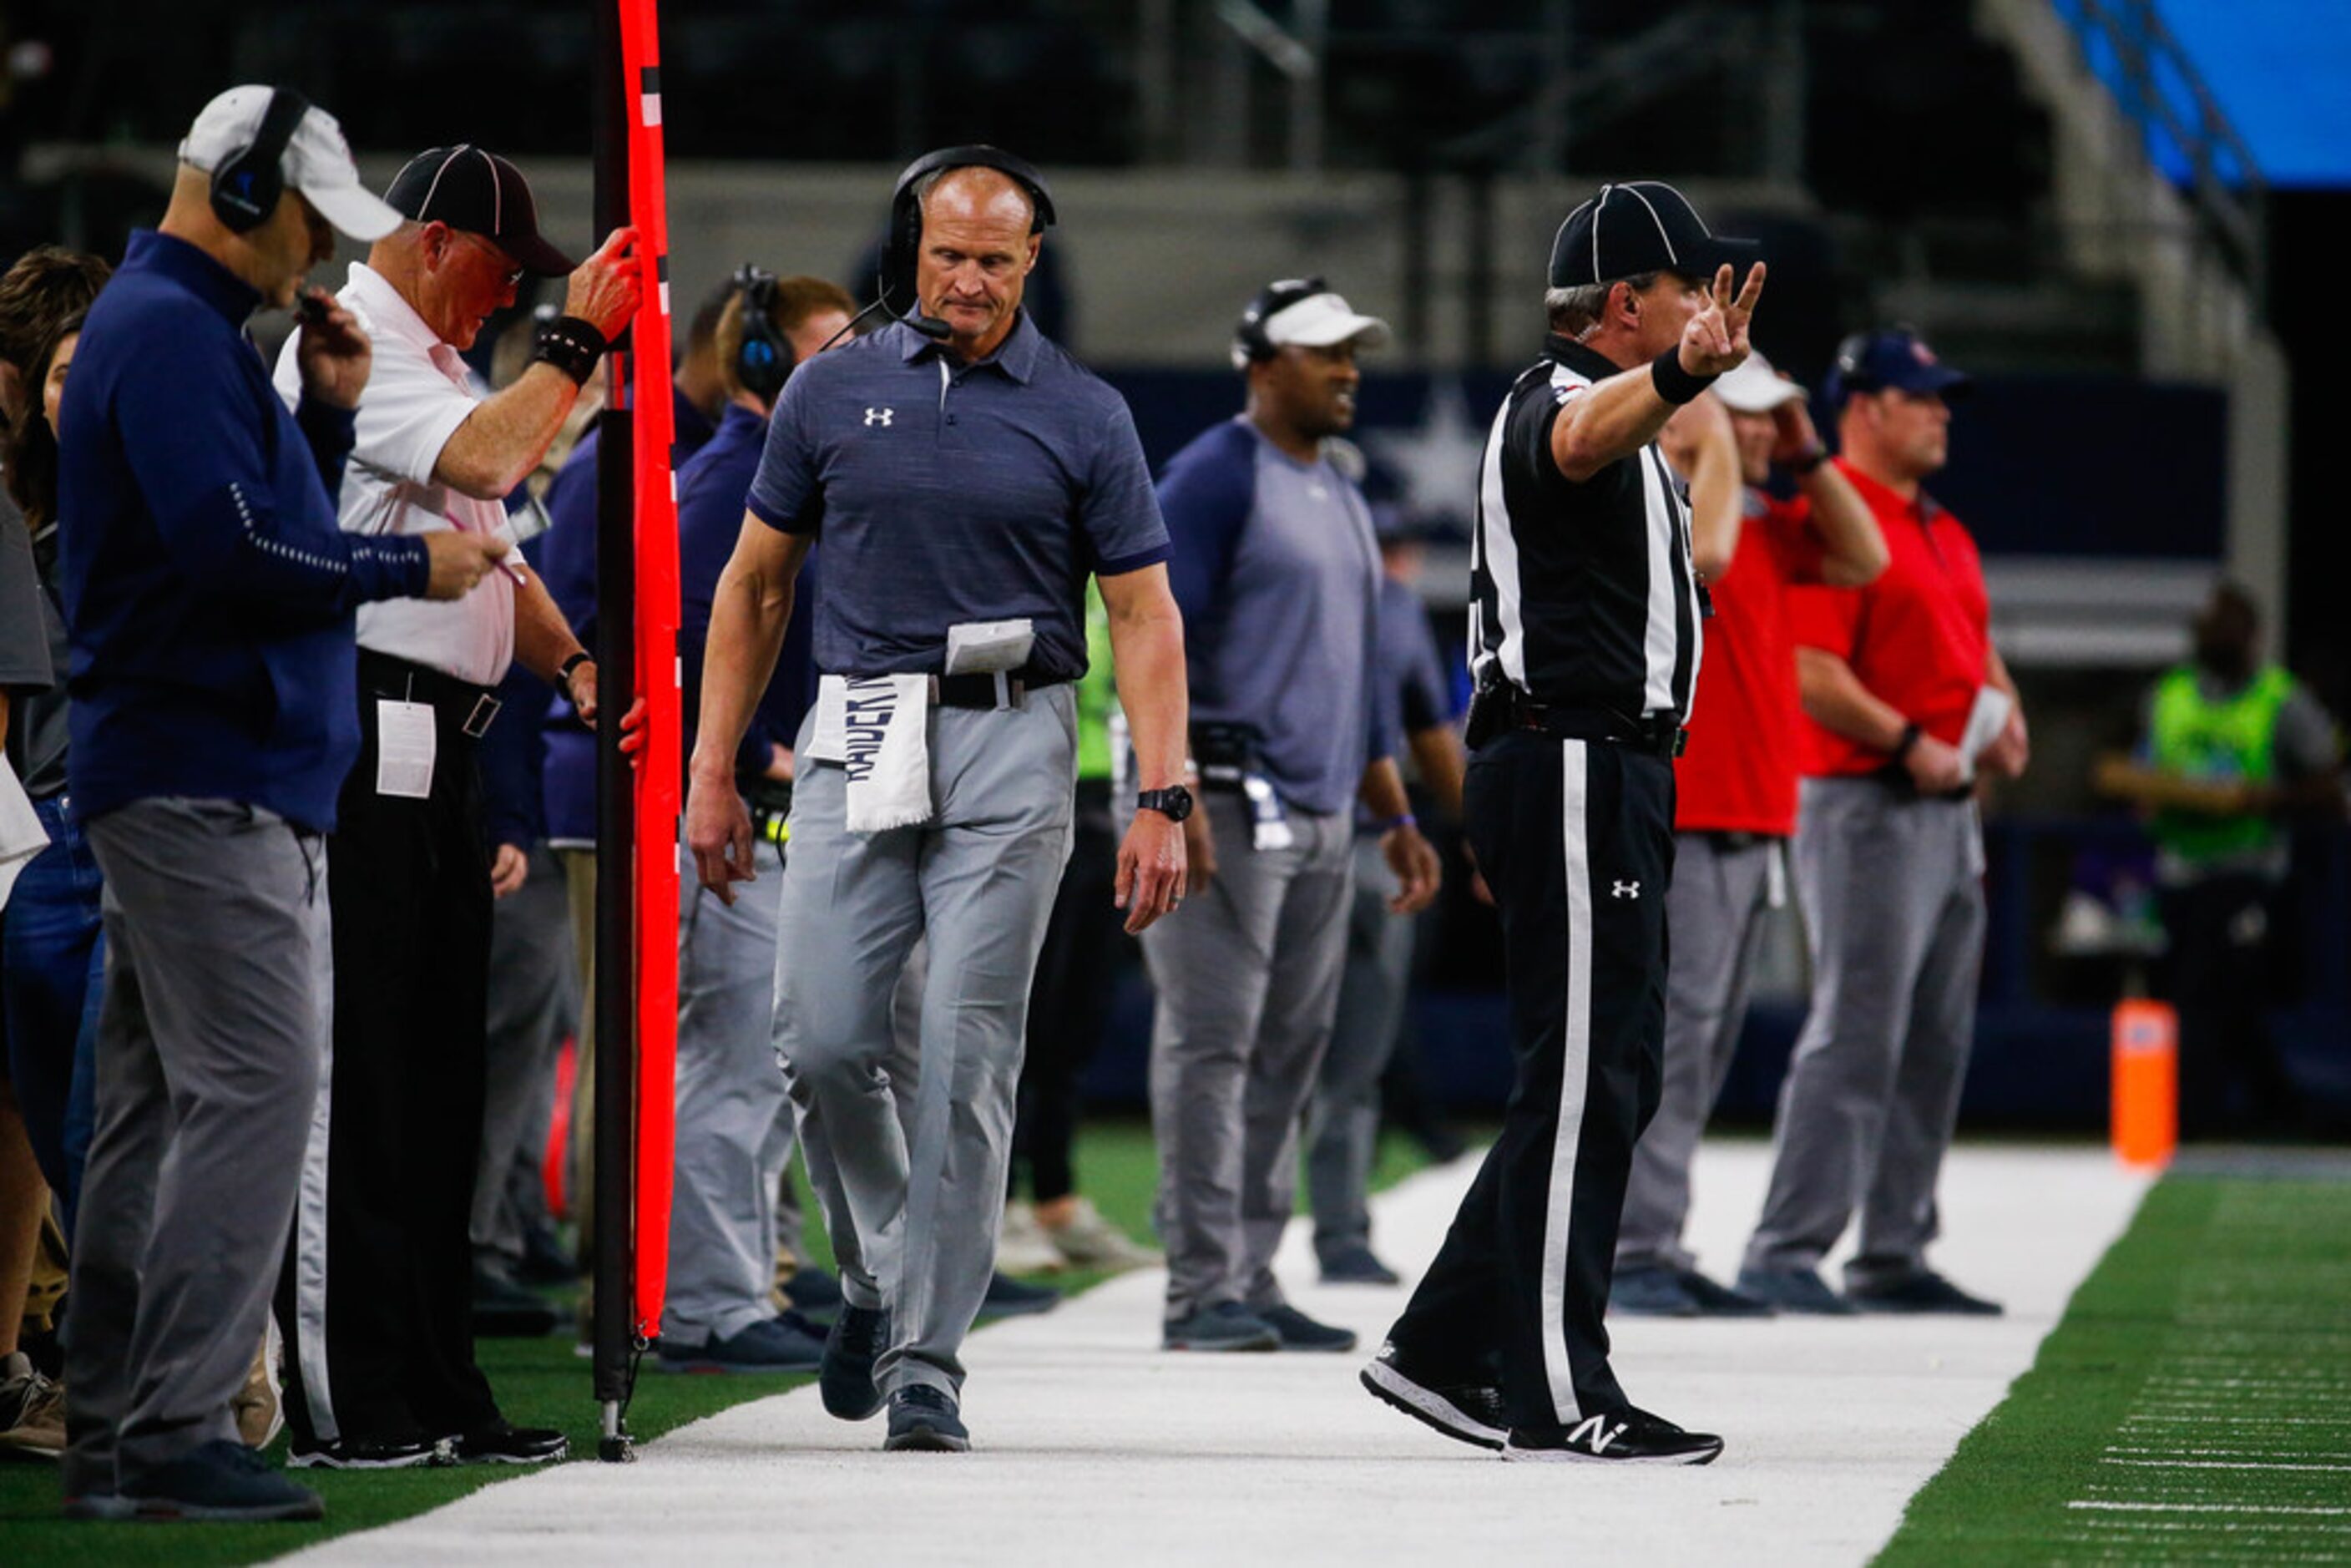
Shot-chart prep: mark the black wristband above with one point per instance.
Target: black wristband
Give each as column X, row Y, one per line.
column 563, row 673
column 1675, row 384
column 1809, row 462
column 1910, row 734
column 572, row 345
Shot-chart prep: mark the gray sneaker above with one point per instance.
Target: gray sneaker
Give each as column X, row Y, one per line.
column 925, row 1420
column 775, row 1344
column 1792, row 1290
column 222, row 1481
column 1227, row 1326
column 1300, row 1332
column 1656, row 1292
column 845, row 1380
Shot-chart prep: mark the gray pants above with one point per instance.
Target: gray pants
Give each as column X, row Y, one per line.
column 1248, row 982
column 213, row 1038
column 534, row 1001
column 1893, row 898
column 735, row 1124
column 1715, row 920
column 979, row 883
column 1342, row 1132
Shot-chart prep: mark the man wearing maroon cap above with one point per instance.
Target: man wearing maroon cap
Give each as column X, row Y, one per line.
column 1735, row 785
column 1906, row 698
column 376, row 1298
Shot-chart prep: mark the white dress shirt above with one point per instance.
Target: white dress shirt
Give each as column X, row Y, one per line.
column 418, row 393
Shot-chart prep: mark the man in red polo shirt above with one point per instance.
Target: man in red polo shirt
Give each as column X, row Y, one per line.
column 1735, row 786
column 1889, row 862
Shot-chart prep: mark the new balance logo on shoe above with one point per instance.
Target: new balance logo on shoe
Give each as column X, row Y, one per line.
column 1595, row 1433
column 1625, row 889
column 880, row 416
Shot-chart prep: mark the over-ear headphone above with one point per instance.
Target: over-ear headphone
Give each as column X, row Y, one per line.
column 764, row 358
column 905, row 242
column 1250, row 342
column 249, row 181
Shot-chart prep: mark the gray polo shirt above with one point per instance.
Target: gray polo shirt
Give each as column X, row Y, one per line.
column 947, row 493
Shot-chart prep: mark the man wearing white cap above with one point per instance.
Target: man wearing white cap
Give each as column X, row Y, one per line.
column 210, row 599
column 1277, row 575
column 1735, row 785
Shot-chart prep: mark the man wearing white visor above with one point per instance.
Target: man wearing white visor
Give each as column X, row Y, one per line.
column 1277, row 575
column 1735, row 785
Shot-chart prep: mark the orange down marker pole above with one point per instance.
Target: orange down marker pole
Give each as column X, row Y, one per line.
column 2145, row 1089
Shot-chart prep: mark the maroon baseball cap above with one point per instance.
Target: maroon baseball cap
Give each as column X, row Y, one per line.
column 479, row 192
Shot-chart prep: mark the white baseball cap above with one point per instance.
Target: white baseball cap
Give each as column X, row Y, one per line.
column 1755, row 387
column 317, row 160
column 1304, row 312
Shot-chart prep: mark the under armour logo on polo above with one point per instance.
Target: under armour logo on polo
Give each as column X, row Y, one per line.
column 1625, row 889
column 880, row 416
column 1593, row 1432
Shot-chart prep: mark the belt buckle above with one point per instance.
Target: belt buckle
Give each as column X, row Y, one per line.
column 486, row 712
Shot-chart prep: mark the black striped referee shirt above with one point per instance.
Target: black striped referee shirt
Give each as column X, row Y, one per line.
column 1582, row 594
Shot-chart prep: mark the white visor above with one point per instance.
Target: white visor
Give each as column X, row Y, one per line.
column 1755, row 387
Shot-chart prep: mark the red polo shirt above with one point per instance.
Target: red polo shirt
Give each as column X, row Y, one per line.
column 1917, row 637
column 1739, row 772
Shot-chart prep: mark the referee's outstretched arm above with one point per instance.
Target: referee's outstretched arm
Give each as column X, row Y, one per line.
column 1617, row 417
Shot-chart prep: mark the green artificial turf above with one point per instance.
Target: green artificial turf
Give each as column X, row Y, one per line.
column 540, row 1382
column 2191, row 1405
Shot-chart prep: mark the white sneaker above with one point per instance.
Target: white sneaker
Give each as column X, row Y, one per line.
column 1090, row 1241
column 1020, row 1244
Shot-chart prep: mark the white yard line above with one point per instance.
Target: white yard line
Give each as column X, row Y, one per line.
column 1095, row 1448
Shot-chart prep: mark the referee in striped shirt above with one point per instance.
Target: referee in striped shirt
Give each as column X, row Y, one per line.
column 1585, row 642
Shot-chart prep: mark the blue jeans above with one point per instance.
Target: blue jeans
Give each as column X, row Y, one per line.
column 54, row 952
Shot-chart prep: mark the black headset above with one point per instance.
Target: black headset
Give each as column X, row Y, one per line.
column 249, row 181
column 764, row 359
column 1250, row 342
column 900, row 253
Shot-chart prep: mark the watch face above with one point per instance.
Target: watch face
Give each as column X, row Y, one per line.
column 1175, row 803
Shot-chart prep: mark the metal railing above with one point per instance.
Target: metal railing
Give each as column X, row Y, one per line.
column 2126, row 46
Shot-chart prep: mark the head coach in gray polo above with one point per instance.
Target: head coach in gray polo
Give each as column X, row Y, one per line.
column 965, row 475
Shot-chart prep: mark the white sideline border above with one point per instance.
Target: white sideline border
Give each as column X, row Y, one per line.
column 1095, row 1449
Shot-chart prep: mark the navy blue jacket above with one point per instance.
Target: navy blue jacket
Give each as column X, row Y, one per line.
column 710, row 491
column 209, row 593
column 569, row 570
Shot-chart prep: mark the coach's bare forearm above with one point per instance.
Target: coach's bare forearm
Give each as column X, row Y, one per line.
column 1834, row 698
column 1146, row 641
column 1852, row 547
column 749, row 614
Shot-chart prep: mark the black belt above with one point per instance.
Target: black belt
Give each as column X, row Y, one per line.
column 465, row 707
column 1658, row 734
column 982, row 691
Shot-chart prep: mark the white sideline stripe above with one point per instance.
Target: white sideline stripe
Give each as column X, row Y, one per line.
column 2091, row 1505
column 1094, row 1447
column 1575, row 1066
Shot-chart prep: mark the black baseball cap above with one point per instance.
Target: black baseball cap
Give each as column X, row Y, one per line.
column 1896, row 357
column 479, row 192
column 1641, row 225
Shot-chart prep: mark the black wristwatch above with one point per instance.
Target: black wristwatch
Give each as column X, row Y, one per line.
column 1174, row 803
column 563, row 675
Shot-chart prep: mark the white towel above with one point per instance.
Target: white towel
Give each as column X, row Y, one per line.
column 21, row 835
column 876, row 728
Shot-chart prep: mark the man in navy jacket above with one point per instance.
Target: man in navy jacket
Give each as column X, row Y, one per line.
column 210, row 599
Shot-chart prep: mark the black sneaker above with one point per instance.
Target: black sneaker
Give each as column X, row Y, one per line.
column 925, row 1420
column 1299, row 1332
column 372, row 1454
column 1656, row 1292
column 1627, row 1437
column 1721, row 1302
column 503, row 1443
column 1227, row 1326
column 1923, row 1291
column 1010, row 1298
column 1792, row 1290
column 814, row 1292
column 1468, row 1412
column 845, row 1377
column 220, row 1481
column 1358, row 1266
column 778, row 1344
